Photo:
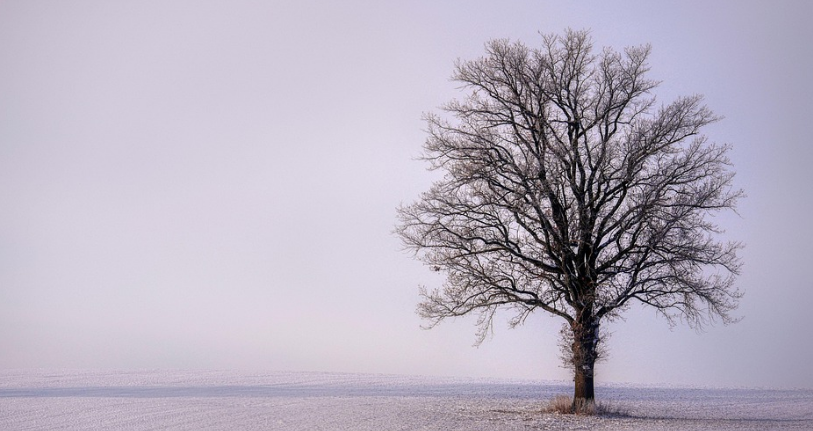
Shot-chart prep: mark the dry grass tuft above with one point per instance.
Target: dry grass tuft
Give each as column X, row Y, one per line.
column 562, row 404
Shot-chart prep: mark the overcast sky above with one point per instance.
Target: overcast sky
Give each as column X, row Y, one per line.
column 213, row 184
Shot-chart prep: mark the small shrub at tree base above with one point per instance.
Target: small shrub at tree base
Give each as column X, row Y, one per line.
column 563, row 404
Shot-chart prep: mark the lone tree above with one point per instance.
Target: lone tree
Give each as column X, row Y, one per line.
column 566, row 189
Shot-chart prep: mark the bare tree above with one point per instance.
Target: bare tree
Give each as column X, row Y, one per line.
column 567, row 190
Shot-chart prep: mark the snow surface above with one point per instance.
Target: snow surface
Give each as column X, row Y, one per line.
column 228, row 400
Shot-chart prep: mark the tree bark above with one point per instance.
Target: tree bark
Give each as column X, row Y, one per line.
column 584, row 391
column 585, row 354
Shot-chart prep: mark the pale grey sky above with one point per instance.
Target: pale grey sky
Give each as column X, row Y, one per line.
column 212, row 184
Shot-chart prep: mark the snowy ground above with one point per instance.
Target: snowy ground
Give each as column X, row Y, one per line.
column 204, row 400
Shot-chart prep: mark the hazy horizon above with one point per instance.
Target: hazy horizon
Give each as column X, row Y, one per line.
column 212, row 185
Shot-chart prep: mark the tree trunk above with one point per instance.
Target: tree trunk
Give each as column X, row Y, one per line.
column 583, row 391
column 585, row 354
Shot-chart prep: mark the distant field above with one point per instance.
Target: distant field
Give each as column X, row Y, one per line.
column 208, row 400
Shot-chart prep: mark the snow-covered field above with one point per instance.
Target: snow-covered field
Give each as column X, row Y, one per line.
column 209, row 400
